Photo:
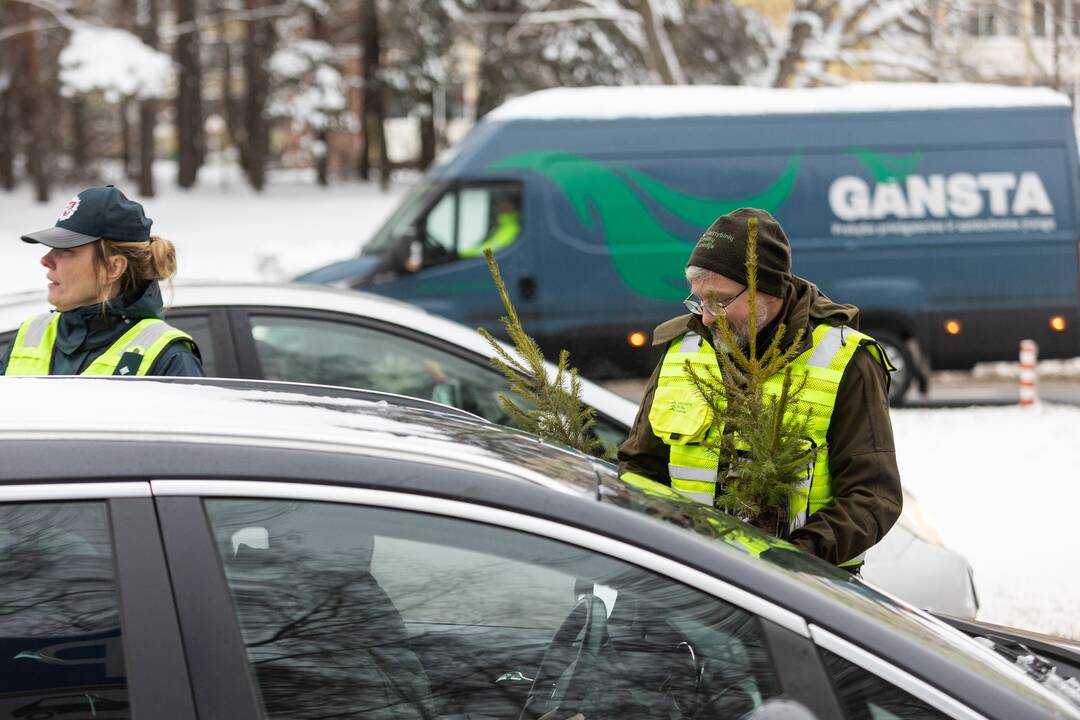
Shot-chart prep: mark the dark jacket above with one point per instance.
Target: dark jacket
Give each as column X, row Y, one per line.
column 85, row 333
column 867, row 498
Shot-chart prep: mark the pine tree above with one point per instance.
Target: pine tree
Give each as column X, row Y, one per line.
column 762, row 447
column 551, row 407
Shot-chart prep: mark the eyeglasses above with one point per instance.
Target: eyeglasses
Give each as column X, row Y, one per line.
column 714, row 307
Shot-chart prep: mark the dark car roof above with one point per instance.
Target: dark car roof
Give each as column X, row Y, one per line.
column 253, row 413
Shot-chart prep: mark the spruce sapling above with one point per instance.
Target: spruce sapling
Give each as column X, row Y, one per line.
column 761, row 439
column 552, row 408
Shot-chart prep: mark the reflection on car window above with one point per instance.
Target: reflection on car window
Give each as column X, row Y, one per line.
column 865, row 696
column 336, row 353
column 350, row 611
column 60, row 642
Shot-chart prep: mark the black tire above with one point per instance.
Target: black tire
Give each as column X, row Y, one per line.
column 900, row 356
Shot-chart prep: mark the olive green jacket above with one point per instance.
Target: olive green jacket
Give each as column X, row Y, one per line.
column 867, row 498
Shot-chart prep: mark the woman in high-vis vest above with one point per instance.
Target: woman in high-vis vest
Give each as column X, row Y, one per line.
column 102, row 268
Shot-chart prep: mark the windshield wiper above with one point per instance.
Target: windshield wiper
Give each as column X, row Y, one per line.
column 1036, row 666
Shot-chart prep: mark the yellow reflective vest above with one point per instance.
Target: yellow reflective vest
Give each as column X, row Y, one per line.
column 682, row 420
column 133, row 353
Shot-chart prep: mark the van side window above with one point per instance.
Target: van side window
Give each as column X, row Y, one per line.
column 470, row 219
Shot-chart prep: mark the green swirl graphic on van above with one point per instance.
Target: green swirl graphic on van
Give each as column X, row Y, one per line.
column 647, row 256
column 888, row 168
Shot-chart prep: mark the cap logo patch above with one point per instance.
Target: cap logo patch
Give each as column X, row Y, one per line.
column 69, row 209
column 708, row 240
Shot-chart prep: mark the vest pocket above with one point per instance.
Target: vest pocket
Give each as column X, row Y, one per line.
column 679, row 416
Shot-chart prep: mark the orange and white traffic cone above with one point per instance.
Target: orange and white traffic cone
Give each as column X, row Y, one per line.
column 1029, row 353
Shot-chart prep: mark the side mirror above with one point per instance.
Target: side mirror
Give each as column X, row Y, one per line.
column 406, row 254
column 781, row 709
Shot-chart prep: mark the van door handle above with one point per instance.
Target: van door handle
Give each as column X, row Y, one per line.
column 527, row 286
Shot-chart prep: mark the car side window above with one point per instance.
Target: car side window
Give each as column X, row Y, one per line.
column 352, row 611
column 337, row 353
column 60, row 638
column 865, row 696
column 470, row 219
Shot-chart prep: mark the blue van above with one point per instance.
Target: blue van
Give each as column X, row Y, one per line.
column 947, row 213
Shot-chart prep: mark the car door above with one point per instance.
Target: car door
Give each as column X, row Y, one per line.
column 87, row 625
column 350, row 602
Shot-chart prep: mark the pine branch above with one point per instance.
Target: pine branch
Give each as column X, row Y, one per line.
column 548, row 407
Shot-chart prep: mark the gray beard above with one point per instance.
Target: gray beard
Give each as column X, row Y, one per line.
column 742, row 338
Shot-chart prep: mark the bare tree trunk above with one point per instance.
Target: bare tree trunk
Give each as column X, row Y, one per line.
column 8, row 70
column 1058, row 19
column 793, row 54
column 662, row 55
column 148, row 32
column 231, row 104
column 427, row 131
column 127, row 157
column 259, row 43
column 80, row 138
column 32, row 91
column 322, row 152
column 7, row 139
column 190, row 143
column 372, row 109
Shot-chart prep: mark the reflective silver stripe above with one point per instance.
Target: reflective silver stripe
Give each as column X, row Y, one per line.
column 826, row 348
column 148, row 336
column 691, row 343
column 692, row 473
column 798, row 521
column 893, row 674
column 703, row 498
column 73, row 491
column 36, row 332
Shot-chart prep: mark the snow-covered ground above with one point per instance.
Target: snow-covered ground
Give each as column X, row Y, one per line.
column 221, row 228
column 1001, row 484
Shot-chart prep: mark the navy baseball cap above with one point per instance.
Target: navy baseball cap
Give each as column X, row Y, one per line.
column 93, row 214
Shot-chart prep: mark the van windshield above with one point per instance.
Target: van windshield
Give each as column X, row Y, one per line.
column 404, row 216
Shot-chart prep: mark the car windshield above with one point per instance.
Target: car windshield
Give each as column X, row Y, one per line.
column 665, row 504
column 404, row 216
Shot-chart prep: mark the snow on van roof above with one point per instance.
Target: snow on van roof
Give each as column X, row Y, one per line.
column 644, row 101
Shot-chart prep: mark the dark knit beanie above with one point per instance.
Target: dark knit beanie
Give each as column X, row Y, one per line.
column 722, row 249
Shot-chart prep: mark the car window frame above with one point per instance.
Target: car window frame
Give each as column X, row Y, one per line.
column 248, row 365
column 158, row 682
column 892, row 674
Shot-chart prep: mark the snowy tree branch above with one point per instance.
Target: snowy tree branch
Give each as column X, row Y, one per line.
column 58, row 10
column 33, row 26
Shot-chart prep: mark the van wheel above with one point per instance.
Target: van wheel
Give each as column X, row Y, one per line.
column 900, row 356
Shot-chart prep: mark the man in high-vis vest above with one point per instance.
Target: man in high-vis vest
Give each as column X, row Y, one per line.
column 851, row 495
